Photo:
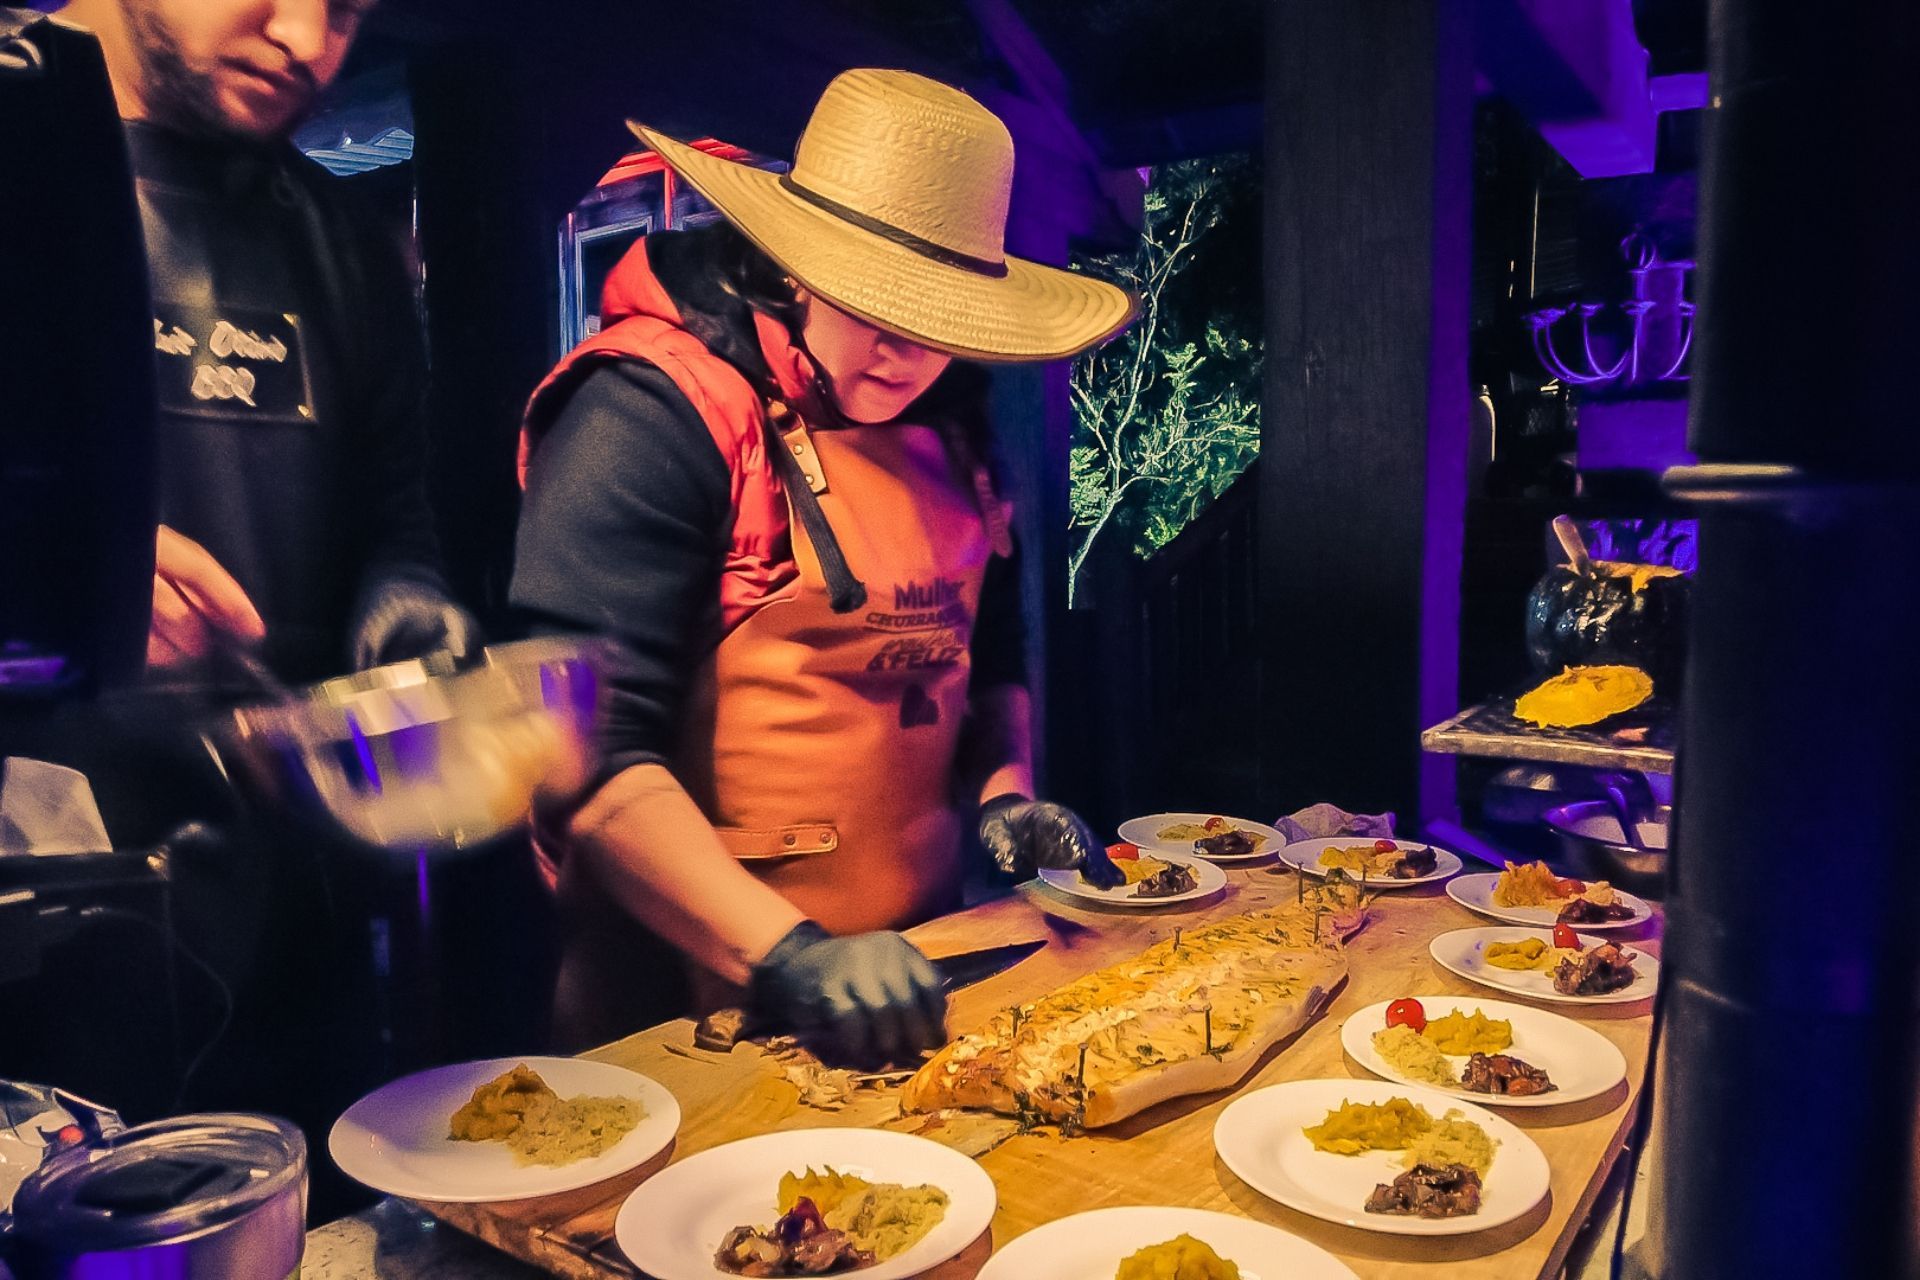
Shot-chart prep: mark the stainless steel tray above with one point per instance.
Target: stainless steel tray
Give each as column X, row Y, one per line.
column 1643, row 739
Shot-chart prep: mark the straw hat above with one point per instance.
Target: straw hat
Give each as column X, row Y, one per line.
column 895, row 211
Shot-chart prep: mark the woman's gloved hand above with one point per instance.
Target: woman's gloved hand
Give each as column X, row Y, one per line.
column 1023, row 835
column 870, row 998
column 401, row 620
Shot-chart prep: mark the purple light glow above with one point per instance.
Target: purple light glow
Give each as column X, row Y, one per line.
column 422, row 888
column 1662, row 326
column 363, row 751
column 1644, row 435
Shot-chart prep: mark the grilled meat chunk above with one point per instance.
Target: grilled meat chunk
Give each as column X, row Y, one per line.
column 799, row 1243
column 1414, row 863
column 1504, row 1074
column 1175, row 877
column 1582, row 911
column 1605, row 968
column 1228, row 844
column 1429, row 1191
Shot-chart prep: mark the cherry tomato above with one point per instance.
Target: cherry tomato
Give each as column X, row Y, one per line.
column 1385, row 846
column 1407, row 1013
column 1215, row 824
column 1565, row 938
column 1124, row 852
column 1570, row 887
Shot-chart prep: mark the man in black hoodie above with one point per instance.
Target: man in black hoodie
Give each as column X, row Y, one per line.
column 291, row 375
column 290, row 477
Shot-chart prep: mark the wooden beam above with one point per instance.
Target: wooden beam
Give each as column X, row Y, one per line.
column 1364, row 429
column 1578, row 74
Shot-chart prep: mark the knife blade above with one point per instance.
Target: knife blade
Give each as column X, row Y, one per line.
column 969, row 967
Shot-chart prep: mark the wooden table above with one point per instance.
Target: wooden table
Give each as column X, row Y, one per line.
column 1162, row 1156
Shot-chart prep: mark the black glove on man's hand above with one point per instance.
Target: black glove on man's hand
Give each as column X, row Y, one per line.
column 401, row 620
column 1021, row 835
column 866, row 999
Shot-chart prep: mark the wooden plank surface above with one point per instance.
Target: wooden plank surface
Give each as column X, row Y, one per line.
column 1162, row 1156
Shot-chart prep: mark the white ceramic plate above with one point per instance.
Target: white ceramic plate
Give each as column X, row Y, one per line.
column 1259, row 1137
column 671, row 1225
column 1207, row 879
column 1305, row 856
column 1475, row 893
column 1462, row 952
column 1580, row 1061
column 395, row 1139
column 1145, row 832
column 1091, row 1246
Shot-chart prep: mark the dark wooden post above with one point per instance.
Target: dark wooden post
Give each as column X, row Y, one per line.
column 1797, row 746
column 1364, row 433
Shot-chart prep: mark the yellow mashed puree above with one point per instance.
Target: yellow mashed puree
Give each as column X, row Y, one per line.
column 1528, row 953
column 883, row 1217
column 537, row 1124
column 1453, row 1140
column 1464, row 1033
column 1401, row 1125
column 1354, row 1127
column 1181, row 1258
column 1413, row 1055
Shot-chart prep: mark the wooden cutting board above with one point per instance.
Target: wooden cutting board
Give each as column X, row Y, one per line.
column 1162, row 1156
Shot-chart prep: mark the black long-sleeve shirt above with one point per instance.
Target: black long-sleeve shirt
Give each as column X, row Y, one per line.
column 625, row 530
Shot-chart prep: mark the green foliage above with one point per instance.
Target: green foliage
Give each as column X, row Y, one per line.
column 1168, row 415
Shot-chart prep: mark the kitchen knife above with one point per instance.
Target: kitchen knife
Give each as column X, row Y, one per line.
column 970, row 967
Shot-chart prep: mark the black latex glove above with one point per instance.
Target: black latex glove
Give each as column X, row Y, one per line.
column 1022, row 835
column 401, row 620
column 870, row 998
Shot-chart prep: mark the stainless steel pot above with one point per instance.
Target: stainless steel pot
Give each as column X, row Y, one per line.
column 1593, row 838
column 201, row 1197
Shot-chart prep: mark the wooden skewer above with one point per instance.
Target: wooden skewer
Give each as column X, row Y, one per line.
column 1574, row 545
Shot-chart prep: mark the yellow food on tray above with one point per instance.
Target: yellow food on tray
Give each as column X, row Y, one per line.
column 1415, row 1056
column 1526, row 954
column 1461, row 1033
column 1584, row 695
column 1533, row 884
column 1402, row 1125
column 884, row 1218
column 1181, row 1258
column 537, row 1125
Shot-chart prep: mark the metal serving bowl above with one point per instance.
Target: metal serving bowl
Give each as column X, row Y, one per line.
column 421, row 755
column 1592, row 836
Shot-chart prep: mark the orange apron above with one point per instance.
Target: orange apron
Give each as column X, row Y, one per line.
column 821, row 745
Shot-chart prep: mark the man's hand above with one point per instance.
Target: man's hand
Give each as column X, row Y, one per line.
column 193, row 597
column 1021, row 835
column 403, row 620
column 869, row 999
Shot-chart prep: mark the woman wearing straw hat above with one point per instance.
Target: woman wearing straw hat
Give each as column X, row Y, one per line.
column 766, row 479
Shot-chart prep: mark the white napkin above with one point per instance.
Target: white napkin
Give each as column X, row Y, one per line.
column 45, row 808
column 1323, row 821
